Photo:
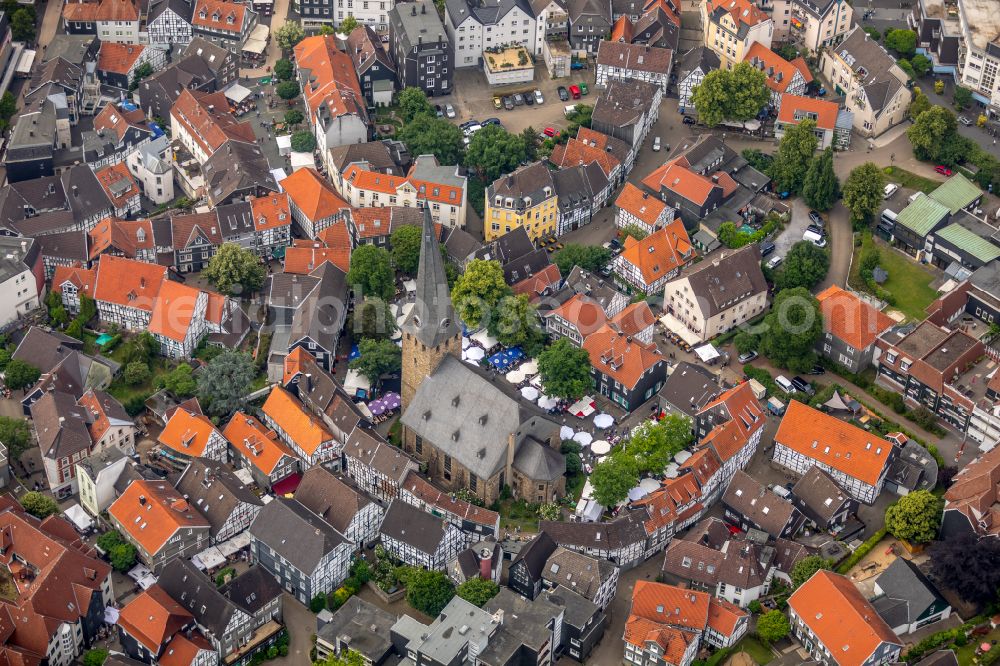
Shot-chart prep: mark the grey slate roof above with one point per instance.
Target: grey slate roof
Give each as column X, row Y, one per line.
column 513, row 244
column 84, row 193
column 375, row 153
column 699, row 58
column 423, row 24
column 432, row 319
column 758, row 504
column 236, row 166
column 539, row 462
column 461, row 245
column 193, row 590
column 485, row 12
column 365, row 626
column 70, row 245
column 820, row 493
column 60, row 425
column 624, row 102
column 214, row 491
column 321, row 313
column 725, row 278
column 625, row 530
column 578, row 572
column 468, row 417
column 295, row 533
column 536, row 553
column 412, row 526
column 578, row 9
column 252, row 590
column 372, row 451
column 879, row 82
column 689, row 388
column 329, row 497
column 906, row 593
column 17, row 255
column 34, row 135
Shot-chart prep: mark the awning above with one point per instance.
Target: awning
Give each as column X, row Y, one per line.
column 25, row 62
column 707, row 353
column 483, row 338
column 287, row 485
column 257, row 41
column 245, row 476
column 80, row 518
column 236, row 93
column 111, row 615
column 355, row 381
column 209, row 558
column 143, row 576
column 232, row 546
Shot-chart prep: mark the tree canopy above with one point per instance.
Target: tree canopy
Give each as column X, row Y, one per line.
column 804, row 266
column 378, row 357
column 915, row 517
column 478, row 292
column 968, row 565
column 772, row 626
column 284, row 69
column 371, row 318
column 235, row 270
column 288, row 90
column 791, row 330
column 181, row 382
column 224, row 382
column 19, row 375
column 590, row 258
column 303, row 141
column 613, row 477
column 477, row 591
column 412, row 102
column 289, row 34
column 15, row 435
column 795, row 152
column 806, row 567
column 371, row 273
column 515, row 322
column 919, row 104
column 821, row 187
column 39, row 504
column 902, row 41
column 654, row 444
column 930, row 132
column 565, row 370
column 427, row 135
column 736, row 94
column 864, row 190
column 405, row 243
column 493, row 152
column 428, row 591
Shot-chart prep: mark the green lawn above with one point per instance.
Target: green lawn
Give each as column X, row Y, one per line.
column 909, row 282
column 753, row 647
column 911, row 180
column 967, row 653
column 124, row 394
column 519, row 514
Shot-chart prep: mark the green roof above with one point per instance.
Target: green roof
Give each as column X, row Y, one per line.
column 956, row 193
column 921, row 215
column 967, row 241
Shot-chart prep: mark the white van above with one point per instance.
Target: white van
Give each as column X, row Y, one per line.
column 889, row 216
column 816, row 239
column 890, row 189
column 784, row 383
column 568, row 111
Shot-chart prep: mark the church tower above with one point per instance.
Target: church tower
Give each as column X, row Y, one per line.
column 430, row 331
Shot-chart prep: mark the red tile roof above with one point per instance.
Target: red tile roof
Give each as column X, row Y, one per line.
column 114, row 120
column 188, row 433
column 740, row 11
column 577, row 151
column 219, row 15
column 174, row 310
column 304, row 259
column 335, row 83
column 119, row 58
column 313, row 195
column 624, row 360
column 640, row 203
column 582, row 312
column 270, row 211
column 843, row 620
column 128, row 282
column 838, row 444
column 535, row 286
column 258, row 443
column 118, row 184
column 795, row 107
column 105, row 10
column 206, row 116
column 153, row 617
column 851, row 319
column 677, row 178
column 659, row 253
column 83, row 278
column 125, row 236
column 151, row 512
column 670, row 605
column 780, row 72
column 306, row 431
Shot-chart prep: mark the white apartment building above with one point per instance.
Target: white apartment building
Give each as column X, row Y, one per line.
column 474, row 26
column 814, row 24
column 22, row 281
column 151, row 165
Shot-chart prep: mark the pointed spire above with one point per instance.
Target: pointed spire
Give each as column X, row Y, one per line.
column 432, row 319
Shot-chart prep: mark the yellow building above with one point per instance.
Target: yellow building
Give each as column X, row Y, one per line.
column 524, row 198
column 732, row 27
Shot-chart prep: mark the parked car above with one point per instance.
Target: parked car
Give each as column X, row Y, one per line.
column 472, row 129
column 508, row 103
column 492, row 121
column 943, row 170
column 518, row 99
column 890, row 189
column 449, row 111
column 746, row 358
column 574, row 91
column 816, row 218
column 529, row 99
column 467, row 124
column 656, row 144
column 774, row 262
column 819, row 240
column 583, row 88
column 766, row 248
column 965, row 121
column 688, row 120
column 549, row 131
column 497, row 103
column 817, row 370
column 538, row 97
column 563, row 93
column 816, row 230
column 438, row 110
column 802, row 385
column 784, row 384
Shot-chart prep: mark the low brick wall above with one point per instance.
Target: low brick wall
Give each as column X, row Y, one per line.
column 388, row 598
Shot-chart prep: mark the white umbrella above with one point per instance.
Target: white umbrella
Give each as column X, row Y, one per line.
column 545, row 402
column 649, row 485
column 671, row 471
column 584, row 438
column 566, row 432
column 681, row 457
column 530, row 367
column 529, row 392
column 600, row 459
column 603, row 421
column 465, row 343
column 515, row 376
column 398, row 335
column 637, row 493
column 475, row 353
column 600, row 447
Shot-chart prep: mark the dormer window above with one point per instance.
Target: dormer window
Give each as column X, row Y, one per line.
column 216, row 16
column 202, row 14
column 230, row 19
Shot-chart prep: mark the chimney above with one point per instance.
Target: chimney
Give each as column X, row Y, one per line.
column 76, row 191
column 485, row 564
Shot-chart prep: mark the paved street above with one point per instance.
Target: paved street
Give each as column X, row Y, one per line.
column 301, row 624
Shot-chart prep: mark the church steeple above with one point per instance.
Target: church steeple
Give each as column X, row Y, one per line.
column 430, row 331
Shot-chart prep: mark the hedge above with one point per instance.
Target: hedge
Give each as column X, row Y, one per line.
column 942, row 638
column 861, row 551
column 715, row 659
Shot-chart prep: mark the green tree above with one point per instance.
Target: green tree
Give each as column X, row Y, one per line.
column 477, row 591
column 223, row 383
column 549, row 511
column 348, row 25
column 413, row 102
column 806, row 567
column 405, row 243
column 59, row 316
column 736, row 94
column 531, row 143
column 921, row 64
column 88, row 309
column 235, row 270
column 141, row 72
column 109, row 540
column 962, row 97
column 378, row 357
column 804, row 266
column 821, row 187
column 772, row 626
column 19, row 375
column 788, row 52
column 303, row 142
column 293, row 117
column 613, row 477
column 122, row 556
column 288, row 90
column 372, row 319
column 427, row 135
column 284, row 69
column 903, row 42
column 635, row 231
column 95, row 657
column 968, row 565
column 565, row 370
column 317, row 603
column 478, row 292
column 746, row 342
column 288, row 35
column 919, row 104
column 791, row 330
column 181, row 382
column 795, row 152
column 140, row 349
column 371, row 273
column 38, row 504
column 588, row 257
column 930, row 130
column 346, row 658
column 915, row 517
column 428, row 591
column 515, row 322
column 326, row 30
column 653, row 443
column 493, row 152
column 22, row 24
column 136, row 373
column 864, row 190
column 16, row 435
